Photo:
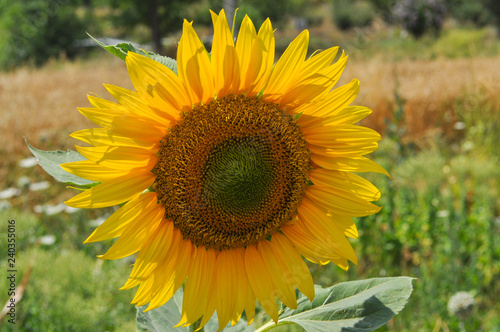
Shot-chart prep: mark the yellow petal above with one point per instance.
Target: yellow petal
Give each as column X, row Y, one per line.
column 136, row 233
column 250, row 302
column 348, row 164
column 340, row 202
column 199, row 286
column 124, row 123
column 101, row 103
column 241, row 284
column 262, row 59
column 194, row 66
column 341, row 262
column 102, row 136
column 103, row 117
column 249, row 61
column 345, row 181
column 345, row 225
column 151, row 254
column 113, row 192
column 347, row 115
column 319, row 60
column 322, row 226
column 134, row 103
column 121, row 218
column 341, row 140
column 287, row 67
column 339, row 133
column 343, row 149
column 214, row 16
column 314, row 85
column 283, row 287
column 121, row 157
column 138, row 129
column 309, row 245
column 91, row 171
column 333, row 101
column 266, row 34
column 225, row 292
column 172, row 272
column 260, row 280
column 157, row 83
column 292, row 264
column 143, row 294
column 223, row 57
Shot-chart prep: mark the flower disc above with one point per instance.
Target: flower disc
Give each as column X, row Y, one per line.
column 232, row 171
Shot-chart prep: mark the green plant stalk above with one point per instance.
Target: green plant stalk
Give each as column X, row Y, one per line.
column 271, row 325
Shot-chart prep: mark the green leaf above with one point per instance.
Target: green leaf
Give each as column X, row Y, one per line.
column 121, row 50
column 164, row 60
column 163, row 318
column 51, row 160
column 363, row 305
column 167, row 316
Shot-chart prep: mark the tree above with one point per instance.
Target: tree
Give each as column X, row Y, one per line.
column 161, row 16
column 494, row 7
column 33, row 31
column 420, row 16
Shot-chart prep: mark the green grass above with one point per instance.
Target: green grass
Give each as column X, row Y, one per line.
column 68, row 289
column 393, row 44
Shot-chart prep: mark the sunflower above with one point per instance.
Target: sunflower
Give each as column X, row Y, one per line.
column 230, row 171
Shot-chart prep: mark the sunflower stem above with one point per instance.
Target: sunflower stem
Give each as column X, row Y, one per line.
column 271, row 325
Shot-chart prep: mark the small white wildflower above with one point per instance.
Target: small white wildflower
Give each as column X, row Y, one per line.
column 461, row 305
column 39, row 186
column 28, row 162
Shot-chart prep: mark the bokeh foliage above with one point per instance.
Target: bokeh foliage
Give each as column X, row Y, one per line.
column 68, row 288
column 33, row 31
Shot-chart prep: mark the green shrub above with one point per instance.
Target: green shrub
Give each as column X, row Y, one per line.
column 31, row 32
column 349, row 14
column 420, row 16
column 27, row 228
column 473, row 12
column 465, row 42
column 69, row 291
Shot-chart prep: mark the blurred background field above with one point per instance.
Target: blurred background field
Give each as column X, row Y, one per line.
column 430, row 70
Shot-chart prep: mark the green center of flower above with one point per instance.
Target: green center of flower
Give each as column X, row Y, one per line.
column 231, row 172
column 239, row 175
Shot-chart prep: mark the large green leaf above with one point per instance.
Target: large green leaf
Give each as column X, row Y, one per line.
column 363, row 305
column 351, row 306
column 168, row 315
column 164, row 60
column 51, row 160
column 121, row 50
column 163, row 318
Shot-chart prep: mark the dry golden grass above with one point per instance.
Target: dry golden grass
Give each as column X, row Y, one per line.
column 429, row 88
column 41, row 104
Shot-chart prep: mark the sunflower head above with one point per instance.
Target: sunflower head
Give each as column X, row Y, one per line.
column 230, row 171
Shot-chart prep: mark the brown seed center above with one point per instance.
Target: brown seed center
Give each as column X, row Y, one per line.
column 232, row 171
